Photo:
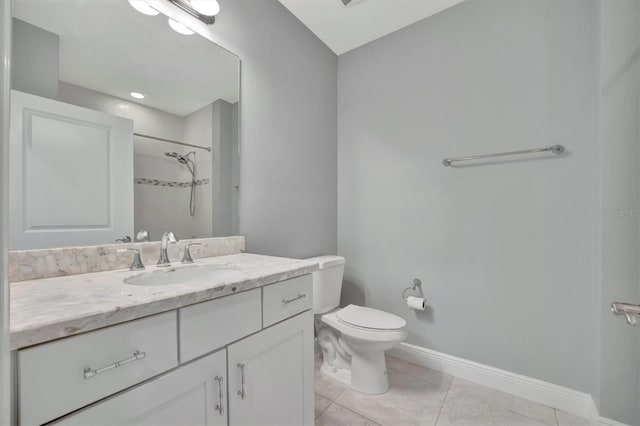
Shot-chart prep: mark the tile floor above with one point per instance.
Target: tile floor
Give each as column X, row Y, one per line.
column 419, row 396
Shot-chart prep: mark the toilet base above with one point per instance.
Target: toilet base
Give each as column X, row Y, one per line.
column 338, row 374
column 369, row 373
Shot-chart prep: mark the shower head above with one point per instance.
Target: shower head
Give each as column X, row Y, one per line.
column 184, row 159
column 177, row 156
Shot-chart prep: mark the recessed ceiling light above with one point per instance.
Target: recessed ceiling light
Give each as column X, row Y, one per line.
column 179, row 27
column 137, row 95
column 143, row 7
column 206, row 7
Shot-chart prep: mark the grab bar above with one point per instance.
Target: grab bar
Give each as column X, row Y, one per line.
column 556, row 149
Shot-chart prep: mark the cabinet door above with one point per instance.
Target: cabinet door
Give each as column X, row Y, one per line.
column 271, row 375
column 195, row 394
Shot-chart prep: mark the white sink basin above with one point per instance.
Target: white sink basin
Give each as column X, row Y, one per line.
column 171, row 275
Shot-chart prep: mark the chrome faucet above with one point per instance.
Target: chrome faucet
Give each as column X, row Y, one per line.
column 137, row 264
column 167, row 237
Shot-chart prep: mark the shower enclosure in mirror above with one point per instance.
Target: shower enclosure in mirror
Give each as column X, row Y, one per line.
column 121, row 128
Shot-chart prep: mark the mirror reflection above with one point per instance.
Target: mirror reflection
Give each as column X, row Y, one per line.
column 121, row 128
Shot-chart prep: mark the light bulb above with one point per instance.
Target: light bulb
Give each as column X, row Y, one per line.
column 143, row 7
column 179, row 27
column 206, row 7
column 137, row 95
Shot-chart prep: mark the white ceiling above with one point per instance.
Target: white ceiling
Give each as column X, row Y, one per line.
column 344, row 28
column 107, row 46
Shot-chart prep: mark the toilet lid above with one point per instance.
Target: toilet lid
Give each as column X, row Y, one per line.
column 370, row 318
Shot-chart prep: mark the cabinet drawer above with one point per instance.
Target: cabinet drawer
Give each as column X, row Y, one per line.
column 62, row 376
column 287, row 298
column 194, row 394
column 210, row 325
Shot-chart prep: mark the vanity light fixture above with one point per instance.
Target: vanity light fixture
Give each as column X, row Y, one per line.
column 137, row 95
column 143, row 7
column 206, row 7
column 204, row 10
column 179, row 27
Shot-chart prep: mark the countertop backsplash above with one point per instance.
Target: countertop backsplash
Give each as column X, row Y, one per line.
column 27, row 265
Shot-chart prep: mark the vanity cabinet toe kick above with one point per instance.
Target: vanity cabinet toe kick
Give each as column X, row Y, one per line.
column 247, row 357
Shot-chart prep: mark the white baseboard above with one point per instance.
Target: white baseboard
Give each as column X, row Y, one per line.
column 603, row 421
column 549, row 394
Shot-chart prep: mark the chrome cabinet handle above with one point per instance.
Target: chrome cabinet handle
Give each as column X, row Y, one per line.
column 241, row 392
column 293, row 299
column 88, row 372
column 220, row 406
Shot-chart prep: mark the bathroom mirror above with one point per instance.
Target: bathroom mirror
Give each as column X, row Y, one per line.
column 121, row 127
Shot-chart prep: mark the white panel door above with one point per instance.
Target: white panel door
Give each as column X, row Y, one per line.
column 195, row 394
column 271, row 375
column 71, row 174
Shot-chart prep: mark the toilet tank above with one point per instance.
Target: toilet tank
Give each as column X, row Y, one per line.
column 327, row 283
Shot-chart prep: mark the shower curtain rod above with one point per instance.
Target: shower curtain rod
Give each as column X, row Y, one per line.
column 170, row 141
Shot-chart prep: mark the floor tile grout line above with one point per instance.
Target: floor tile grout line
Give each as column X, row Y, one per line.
column 339, row 395
column 356, row 413
column 446, row 394
column 331, row 399
column 322, row 412
column 526, row 415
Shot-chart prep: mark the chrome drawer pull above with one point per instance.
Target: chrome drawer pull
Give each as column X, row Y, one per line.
column 241, row 392
column 89, row 373
column 219, row 407
column 293, row 299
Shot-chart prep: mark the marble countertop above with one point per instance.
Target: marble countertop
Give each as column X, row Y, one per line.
column 51, row 308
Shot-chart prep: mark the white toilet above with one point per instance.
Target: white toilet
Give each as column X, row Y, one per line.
column 353, row 339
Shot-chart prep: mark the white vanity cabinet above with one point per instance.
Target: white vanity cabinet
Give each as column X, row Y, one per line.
column 243, row 359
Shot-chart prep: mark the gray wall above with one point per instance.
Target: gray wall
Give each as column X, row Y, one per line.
column 288, row 172
column 505, row 250
column 222, row 168
column 35, row 60
column 620, row 171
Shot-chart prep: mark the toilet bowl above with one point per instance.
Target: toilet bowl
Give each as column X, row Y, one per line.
column 365, row 334
column 353, row 339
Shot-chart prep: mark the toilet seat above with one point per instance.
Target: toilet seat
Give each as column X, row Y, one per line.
column 366, row 333
column 370, row 319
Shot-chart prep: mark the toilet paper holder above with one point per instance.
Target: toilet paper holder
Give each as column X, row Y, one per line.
column 416, row 284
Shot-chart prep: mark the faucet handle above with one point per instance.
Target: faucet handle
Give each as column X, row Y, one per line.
column 186, row 258
column 137, row 264
column 142, row 235
column 170, row 237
